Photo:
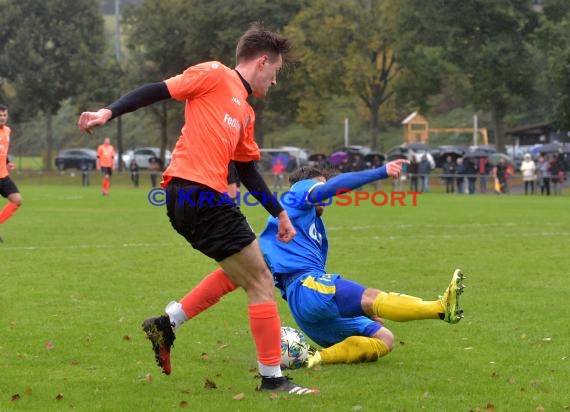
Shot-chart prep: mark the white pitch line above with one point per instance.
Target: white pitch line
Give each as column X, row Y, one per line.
column 88, row 246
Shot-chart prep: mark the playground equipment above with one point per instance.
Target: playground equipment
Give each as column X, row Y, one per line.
column 416, row 129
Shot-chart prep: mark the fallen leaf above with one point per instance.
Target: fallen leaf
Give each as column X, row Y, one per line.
column 490, row 407
column 75, row 362
column 28, row 392
column 186, row 391
column 540, row 408
column 239, row 396
column 495, row 375
column 148, row 377
column 511, row 381
column 15, row 397
column 183, row 404
column 209, row 384
column 59, row 397
column 225, row 345
column 49, row 345
column 126, row 338
column 273, row 395
column 204, row 356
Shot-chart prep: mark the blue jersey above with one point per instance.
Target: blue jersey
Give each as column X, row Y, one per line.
column 307, row 252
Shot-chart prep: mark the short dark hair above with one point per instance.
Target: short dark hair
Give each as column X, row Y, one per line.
column 258, row 39
column 3, row 108
column 309, row 172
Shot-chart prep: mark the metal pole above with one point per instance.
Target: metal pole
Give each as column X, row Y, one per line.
column 118, row 57
column 346, row 131
column 475, row 129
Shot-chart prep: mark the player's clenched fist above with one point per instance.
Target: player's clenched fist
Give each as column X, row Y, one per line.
column 89, row 120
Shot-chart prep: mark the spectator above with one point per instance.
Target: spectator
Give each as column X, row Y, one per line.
column 424, row 169
column 483, row 168
column 501, row 173
column 155, row 168
column 471, row 173
column 543, row 169
column 85, row 173
column 134, row 167
column 449, row 168
column 413, row 171
column 528, row 170
column 556, row 175
column 460, row 175
column 278, row 170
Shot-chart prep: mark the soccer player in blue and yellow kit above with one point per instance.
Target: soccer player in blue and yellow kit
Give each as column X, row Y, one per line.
column 342, row 316
column 345, row 318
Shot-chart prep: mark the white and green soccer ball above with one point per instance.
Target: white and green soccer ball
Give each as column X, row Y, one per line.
column 294, row 348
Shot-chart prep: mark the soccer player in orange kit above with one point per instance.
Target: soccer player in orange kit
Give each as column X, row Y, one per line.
column 8, row 188
column 219, row 128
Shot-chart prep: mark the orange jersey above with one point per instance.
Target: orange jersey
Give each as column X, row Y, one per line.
column 218, row 125
column 106, row 155
column 4, row 146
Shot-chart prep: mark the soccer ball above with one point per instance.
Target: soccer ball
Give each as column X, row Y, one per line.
column 294, row 348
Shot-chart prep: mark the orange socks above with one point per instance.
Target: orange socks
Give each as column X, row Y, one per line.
column 207, row 293
column 106, row 185
column 266, row 330
column 8, row 211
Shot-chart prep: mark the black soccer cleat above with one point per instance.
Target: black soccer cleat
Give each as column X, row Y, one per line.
column 284, row 384
column 159, row 331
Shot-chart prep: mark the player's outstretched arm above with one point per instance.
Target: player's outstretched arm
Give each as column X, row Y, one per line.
column 347, row 181
column 140, row 97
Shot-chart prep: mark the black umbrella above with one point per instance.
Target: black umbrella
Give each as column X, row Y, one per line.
column 418, row 146
column 495, row 158
column 476, row 154
column 550, row 148
column 370, row 156
column 315, row 157
column 396, row 156
column 398, row 150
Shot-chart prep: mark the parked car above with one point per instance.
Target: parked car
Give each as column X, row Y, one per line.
column 143, row 154
column 76, row 159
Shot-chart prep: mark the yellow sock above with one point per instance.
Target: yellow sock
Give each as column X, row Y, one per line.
column 355, row 349
column 402, row 308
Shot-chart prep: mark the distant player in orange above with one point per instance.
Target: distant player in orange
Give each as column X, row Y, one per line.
column 219, row 128
column 8, row 188
column 106, row 163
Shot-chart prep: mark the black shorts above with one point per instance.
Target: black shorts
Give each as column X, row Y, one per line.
column 206, row 219
column 7, row 187
column 107, row 171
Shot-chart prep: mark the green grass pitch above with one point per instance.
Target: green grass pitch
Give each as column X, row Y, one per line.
column 80, row 272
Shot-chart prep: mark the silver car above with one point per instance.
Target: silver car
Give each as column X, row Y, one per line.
column 143, row 154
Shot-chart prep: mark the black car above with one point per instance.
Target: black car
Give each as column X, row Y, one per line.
column 76, row 159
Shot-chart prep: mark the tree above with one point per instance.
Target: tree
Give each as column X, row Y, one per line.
column 347, row 50
column 552, row 44
column 484, row 40
column 166, row 37
column 48, row 65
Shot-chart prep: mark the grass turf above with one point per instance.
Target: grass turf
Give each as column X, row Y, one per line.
column 80, row 272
